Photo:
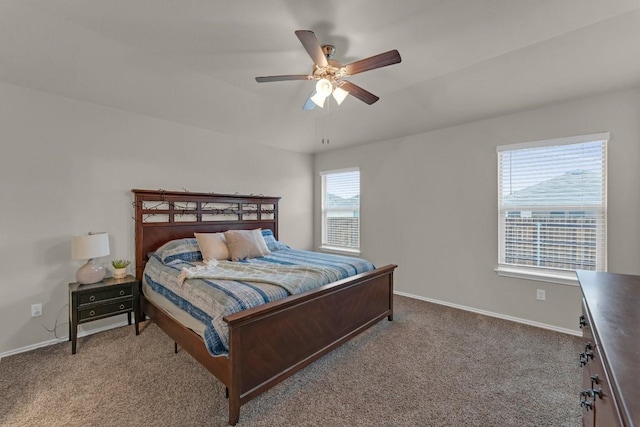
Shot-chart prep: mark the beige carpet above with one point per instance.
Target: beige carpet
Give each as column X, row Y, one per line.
column 431, row 366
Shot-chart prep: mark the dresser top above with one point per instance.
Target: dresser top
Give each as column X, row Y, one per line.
column 613, row 301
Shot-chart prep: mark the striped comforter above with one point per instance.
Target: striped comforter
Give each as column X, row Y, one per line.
column 210, row 300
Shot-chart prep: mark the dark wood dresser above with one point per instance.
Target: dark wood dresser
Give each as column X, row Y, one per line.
column 610, row 323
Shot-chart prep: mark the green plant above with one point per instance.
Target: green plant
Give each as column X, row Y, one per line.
column 120, row 263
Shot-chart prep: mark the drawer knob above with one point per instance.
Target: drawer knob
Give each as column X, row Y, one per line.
column 583, row 359
column 122, row 292
column 583, row 321
column 586, row 404
column 121, row 306
column 92, row 313
column 92, row 298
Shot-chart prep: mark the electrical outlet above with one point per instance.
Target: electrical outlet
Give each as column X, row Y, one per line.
column 541, row 295
column 36, row 310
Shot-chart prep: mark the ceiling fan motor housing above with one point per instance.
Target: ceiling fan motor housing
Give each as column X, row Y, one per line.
column 329, row 50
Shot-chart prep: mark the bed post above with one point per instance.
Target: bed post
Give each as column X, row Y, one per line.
column 390, row 317
column 234, row 385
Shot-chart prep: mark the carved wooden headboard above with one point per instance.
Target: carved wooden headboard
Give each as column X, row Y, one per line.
column 162, row 216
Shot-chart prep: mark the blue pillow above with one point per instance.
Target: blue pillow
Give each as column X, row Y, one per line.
column 271, row 241
column 179, row 250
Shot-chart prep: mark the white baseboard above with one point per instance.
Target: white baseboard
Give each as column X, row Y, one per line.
column 492, row 314
column 404, row 294
column 82, row 333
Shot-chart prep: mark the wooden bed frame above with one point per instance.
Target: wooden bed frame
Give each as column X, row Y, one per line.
column 271, row 342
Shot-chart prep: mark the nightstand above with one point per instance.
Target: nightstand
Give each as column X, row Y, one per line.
column 107, row 298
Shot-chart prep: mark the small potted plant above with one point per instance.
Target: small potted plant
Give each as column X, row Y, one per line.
column 120, row 268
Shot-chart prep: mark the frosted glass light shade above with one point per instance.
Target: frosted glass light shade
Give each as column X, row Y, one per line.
column 318, row 99
column 339, row 95
column 323, row 89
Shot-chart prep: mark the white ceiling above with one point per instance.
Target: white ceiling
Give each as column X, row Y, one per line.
column 194, row 61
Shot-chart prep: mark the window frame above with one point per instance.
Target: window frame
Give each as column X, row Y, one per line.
column 323, row 211
column 547, row 274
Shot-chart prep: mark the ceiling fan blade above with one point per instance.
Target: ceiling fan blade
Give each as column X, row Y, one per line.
column 373, row 62
column 362, row 94
column 311, row 44
column 283, row 78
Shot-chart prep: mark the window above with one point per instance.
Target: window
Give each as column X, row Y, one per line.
column 552, row 208
column 341, row 210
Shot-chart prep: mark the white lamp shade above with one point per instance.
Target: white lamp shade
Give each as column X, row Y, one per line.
column 89, row 246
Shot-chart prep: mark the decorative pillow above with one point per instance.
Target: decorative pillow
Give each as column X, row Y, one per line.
column 245, row 244
column 257, row 234
column 212, row 246
column 179, row 250
column 271, row 241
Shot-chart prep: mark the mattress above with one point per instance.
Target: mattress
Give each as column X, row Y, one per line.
column 201, row 304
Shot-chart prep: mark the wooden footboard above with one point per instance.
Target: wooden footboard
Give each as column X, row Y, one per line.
column 270, row 343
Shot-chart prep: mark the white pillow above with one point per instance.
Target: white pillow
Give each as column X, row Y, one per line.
column 212, row 246
column 245, row 244
column 257, row 234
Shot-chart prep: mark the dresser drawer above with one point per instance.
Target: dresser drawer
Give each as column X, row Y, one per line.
column 105, row 294
column 96, row 312
column 605, row 408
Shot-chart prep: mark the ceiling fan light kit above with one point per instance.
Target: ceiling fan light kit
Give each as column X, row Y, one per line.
column 330, row 74
column 324, row 88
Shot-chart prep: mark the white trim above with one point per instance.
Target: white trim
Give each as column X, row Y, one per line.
column 54, row 341
column 577, row 332
column 343, row 170
column 335, row 250
column 539, row 274
column 603, row 136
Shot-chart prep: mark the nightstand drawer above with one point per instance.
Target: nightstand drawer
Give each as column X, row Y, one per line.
column 105, row 310
column 103, row 295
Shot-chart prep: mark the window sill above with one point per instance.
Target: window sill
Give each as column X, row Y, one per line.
column 543, row 275
column 340, row 251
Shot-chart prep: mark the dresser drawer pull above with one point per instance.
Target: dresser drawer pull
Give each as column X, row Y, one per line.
column 121, row 306
column 122, row 292
column 583, row 359
column 586, row 404
column 583, row 321
column 586, row 393
column 92, row 313
column 92, row 298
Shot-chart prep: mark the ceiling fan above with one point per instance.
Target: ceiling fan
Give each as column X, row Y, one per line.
column 330, row 74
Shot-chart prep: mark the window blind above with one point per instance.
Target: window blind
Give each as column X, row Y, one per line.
column 341, row 209
column 552, row 203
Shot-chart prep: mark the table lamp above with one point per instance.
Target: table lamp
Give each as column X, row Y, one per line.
column 90, row 246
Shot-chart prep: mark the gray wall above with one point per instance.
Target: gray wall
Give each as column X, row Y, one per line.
column 67, row 167
column 429, row 204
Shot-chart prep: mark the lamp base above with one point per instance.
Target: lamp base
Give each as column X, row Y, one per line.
column 90, row 273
